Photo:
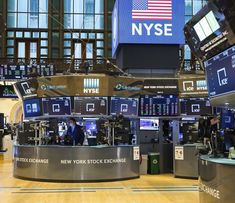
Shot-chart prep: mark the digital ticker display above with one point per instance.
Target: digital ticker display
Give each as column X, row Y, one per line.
column 159, row 105
column 195, row 106
column 90, row 105
column 124, row 106
column 56, row 106
column 220, row 71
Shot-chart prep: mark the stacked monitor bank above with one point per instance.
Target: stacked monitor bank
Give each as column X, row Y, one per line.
column 144, row 106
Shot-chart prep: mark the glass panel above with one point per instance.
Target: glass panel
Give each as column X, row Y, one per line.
column 91, row 35
column 44, row 34
column 10, row 42
column 11, row 20
column 78, row 6
column 12, row 5
column 99, row 44
column 67, row 43
column 10, row 51
column 89, row 50
column 33, row 5
column 100, row 52
column 99, row 22
column 55, row 22
column 43, row 6
column 35, row 34
column 67, row 35
column 33, row 20
column 75, row 35
column 22, row 5
column 197, row 5
column 55, row 39
column 67, row 52
column 110, row 5
column 88, row 21
column 187, row 53
column 99, row 6
column 27, row 34
column 55, row 53
column 43, row 21
column 188, row 7
column 33, row 50
column 77, row 50
column 78, row 21
column 10, row 34
column 84, row 35
column 22, row 20
column 68, row 21
column 100, row 36
column 44, row 51
column 89, row 6
column 19, row 34
column 21, row 50
column 68, row 6
column 44, row 43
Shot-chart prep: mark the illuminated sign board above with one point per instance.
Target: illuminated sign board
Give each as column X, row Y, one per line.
column 91, row 86
column 193, row 87
column 147, row 22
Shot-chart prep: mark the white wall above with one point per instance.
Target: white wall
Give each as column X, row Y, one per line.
column 6, row 106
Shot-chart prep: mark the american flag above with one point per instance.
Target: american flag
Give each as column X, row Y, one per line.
column 152, row 9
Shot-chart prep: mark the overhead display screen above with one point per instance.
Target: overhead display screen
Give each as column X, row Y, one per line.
column 124, row 106
column 90, row 105
column 211, row 30
column 147, row 22
column 32, row 108
column 56, row 106
column 21, row 72
column 220, row 71
column 227, row 119
column 159, row 105
column 195, row 106
column 7, row 91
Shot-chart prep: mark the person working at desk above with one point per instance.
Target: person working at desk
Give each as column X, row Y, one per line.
column 75, row 132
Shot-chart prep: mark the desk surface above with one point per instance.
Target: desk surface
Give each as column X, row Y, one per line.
column 224, row 161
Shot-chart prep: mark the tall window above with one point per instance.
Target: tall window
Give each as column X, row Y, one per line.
column 27, row 14
column 84, row 14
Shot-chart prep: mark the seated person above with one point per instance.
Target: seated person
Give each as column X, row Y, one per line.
column 75, row 134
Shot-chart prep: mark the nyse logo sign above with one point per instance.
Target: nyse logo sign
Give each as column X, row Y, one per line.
column 155, row 10
column 222, row 77
column 188, row 86
column 91, row 86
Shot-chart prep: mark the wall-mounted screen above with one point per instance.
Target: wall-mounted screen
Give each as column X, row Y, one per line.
column 149, row 124
column 90, row 105
column 195, row 106
column 32, row 108
column 159, row 105
column 56, row 106
column 124, row 106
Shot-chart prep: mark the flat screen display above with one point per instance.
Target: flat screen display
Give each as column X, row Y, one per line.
column 149, row 124
column 124, row 106
column 227, row 119
column 220, row 71
column 32, row 108
column 159, row 105
column 56, row 106
column 91, row 127
column 211, row 30
column 90, row 105
column 195, row 106
column 7, row 91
